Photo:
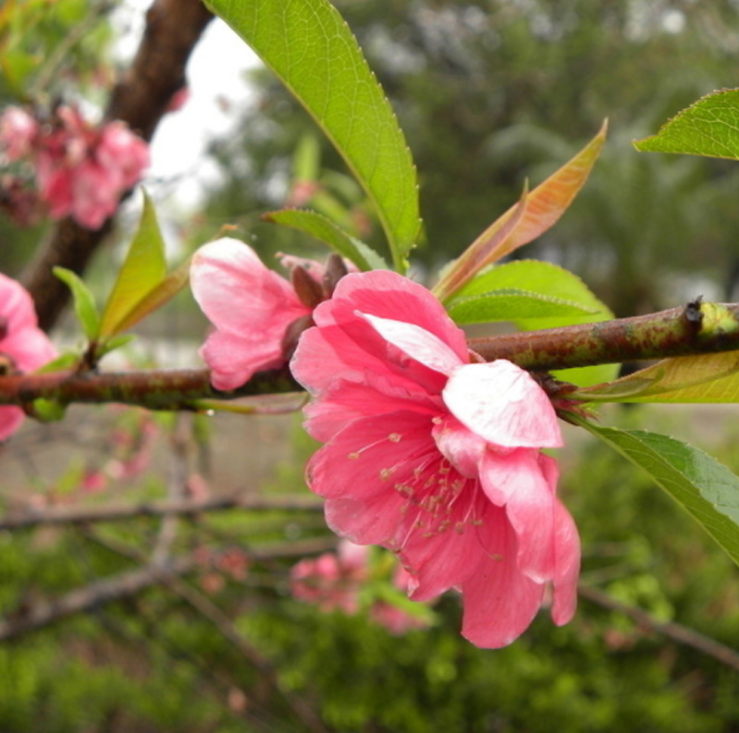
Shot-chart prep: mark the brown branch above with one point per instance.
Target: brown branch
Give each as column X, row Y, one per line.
column 140, row 99
column 223, row 624
column 155, row 389
column 696, row 328
column 681, row 634
column 28, row 519
column 176, row 483
column 131, row 583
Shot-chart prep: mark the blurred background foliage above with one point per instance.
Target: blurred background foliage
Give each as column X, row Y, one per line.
column 489, row 94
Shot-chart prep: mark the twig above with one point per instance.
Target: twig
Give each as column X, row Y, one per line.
column 681, row 634
column 140, row 99
column 29, row 518
column 697, row 328
column 131, row 583
column 175, row 490
column 155, row 389
column 213, row 614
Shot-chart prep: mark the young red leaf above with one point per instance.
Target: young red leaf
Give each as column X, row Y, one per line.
column 542, row 208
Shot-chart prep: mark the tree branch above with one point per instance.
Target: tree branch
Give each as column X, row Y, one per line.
column 681, row 634
column 27, row 519
column 131, row 583
column 140, row 99
column 697, row 328
column 155, row 389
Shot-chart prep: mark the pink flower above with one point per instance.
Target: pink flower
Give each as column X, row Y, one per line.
column 178, row 100
column 81, row 170
column 23, row 346
column 393, row 618
column 122, row 154
column 17, row 132
column 251, row 307
column 332, row 581
column 435, row 457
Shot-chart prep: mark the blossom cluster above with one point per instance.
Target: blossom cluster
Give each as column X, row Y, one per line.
column 429, row 451
column 81, row 170
column 334, row 582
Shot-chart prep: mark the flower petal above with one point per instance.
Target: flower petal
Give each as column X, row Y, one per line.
column 233, row 360
column 503, row 404
column 461, row 447
column 345, row 402
column 372, row 456
column 323, row 354
column 11, row 418
column 514, row 480
column 499, row 600
column 389, row 295
column 443, row 551
column 239, row 294
column 371, row 521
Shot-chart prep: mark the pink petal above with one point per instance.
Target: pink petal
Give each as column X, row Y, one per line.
column 30, row 349
column 515, row 481
column 566, row 549
column 239, row 294
column 443, row 554
column 233, row 360
column 345, row 402
column 370, row 521
column 416, row 343
column 389, row 295
column 499, row 600
column 16, row 305
column 461, row 447
column 11, row 418
column 503, row 404
column 372, row 456
column 326, row 354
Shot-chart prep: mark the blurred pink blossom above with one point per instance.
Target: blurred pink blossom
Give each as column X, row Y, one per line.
column 179, row 99
column 18, row 130
column 81, row 170
column 332, row 581
column 23, row 346
column 396, row 620
column 254, row 310
column 435, row 457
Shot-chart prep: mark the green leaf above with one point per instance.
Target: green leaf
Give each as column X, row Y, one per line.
column 706, row 378
column 706, row 489
column 555, row 282
column 63, row 361
column 307, row 158
column 113, row 343
column 363, row 256
column 143, row 270
column 544, row 279
column 709, row 127
column 155, row 298
column 512, row 304
column 311, row 49
column 84, row 303
column 48, row 410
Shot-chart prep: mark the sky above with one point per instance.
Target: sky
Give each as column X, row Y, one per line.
column 215, row 76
